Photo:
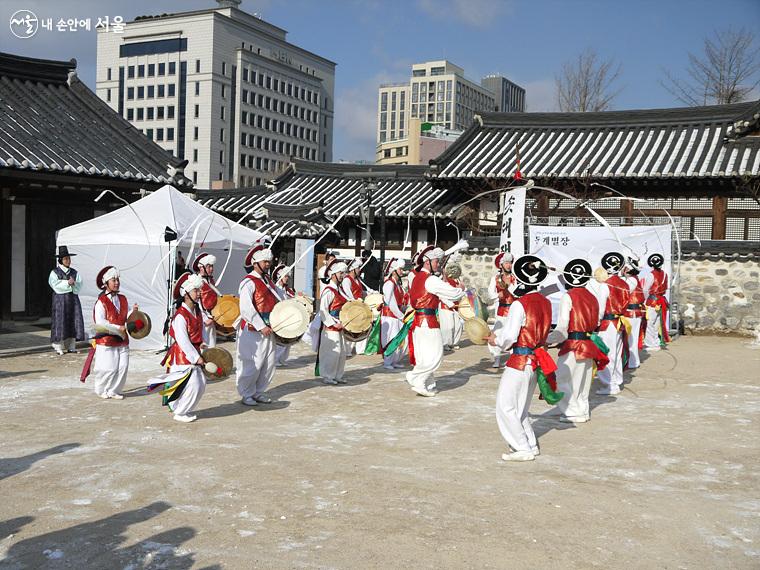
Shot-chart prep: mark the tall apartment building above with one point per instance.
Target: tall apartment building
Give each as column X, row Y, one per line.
column 221, row 88
column 510, row 97
column 438, row 93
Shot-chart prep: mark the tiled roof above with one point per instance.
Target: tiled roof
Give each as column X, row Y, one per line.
column 654, row 144
column 51, row 122
column 333, row 186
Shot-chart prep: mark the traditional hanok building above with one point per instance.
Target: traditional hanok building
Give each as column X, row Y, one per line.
column 310, row 197
column 60, row 147
column 702, row 164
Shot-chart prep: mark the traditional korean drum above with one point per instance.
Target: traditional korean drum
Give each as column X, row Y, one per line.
column 357, row 319
column 477, row 330
column 308, row 304
column 138, row 325
column 374, row 301
column 225, row 313
column 289, row 321
column 218, row 362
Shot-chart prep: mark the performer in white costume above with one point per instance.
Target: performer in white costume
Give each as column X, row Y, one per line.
column 612, row 329
column 392, row 313
column 332, row 348
column 185, row 384
column 655, row 288
column 634, row 311
column 499, row 294
column 203, row 265
column 425, row 342
column 281, row 282
column 579, row 316
column 255, row 343
column 112, row 345
column 353, row 289
column 452, row 324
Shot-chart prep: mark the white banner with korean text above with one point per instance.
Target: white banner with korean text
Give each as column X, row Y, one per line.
column 513, row 222
column 303, row 278
column 557, row 245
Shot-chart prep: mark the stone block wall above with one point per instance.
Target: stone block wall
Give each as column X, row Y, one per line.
column 717, row 294
column 721, row 294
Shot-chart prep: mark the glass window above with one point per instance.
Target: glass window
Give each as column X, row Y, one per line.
column 245, row 74
column 151, row 69
column 131, row 72
column 197, row 66
column 221, row 135
column 161, row 90
column 150, row 113
column 130, row 114
column 197, row 111
column 141, row 92
column 140, row 71
column 195, row 133
column 108, row 95
column 130, row 93
column 170, row 112
column 172, row 88
column 224, row 90
column 197, row 88
column 402, row 102
column 222, row 113
column 161, row 69
column 159, row 112
column 224, row 68
column 384, row 102
column 170, row 134
column 172, row 68
column 140, row 113
column 149, row 134
column 151, row 91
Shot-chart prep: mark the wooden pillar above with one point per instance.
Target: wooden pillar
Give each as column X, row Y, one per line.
column 719, row 217
column 543, row 205
column 627, row 207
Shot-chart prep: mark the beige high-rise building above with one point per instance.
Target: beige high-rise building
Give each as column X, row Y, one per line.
column 437, row 93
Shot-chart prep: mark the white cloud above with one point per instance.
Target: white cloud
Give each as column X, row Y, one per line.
column 474, row 13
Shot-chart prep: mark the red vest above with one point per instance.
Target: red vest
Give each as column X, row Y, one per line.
column 421, row 298
column 336, row 304
column 636, row 298
column 263, row 300
column 658, row 287
column 115, row 318
column 208, row 294
column 194, row 323
column 538, row 323
column 505, row 297
column 398, row 294
column 455, row 306
column 583, row 318
column 356, row 287
column 617, row 302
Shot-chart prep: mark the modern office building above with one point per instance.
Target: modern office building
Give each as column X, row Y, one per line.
column 438, row 93
column 422, row 143
column 222, row 89
column 510, row 97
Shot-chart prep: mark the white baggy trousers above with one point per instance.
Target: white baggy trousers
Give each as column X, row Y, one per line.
column 498, row 323
column 652, row 332
column 428, row 353
column 452, row 326
column 633, row 342
column 110, row 369
column 332, row 355
column 389, row 327
column 612, row 375
column 513, row 405
column 255, row 363
column 574, row 379
column 193, row 392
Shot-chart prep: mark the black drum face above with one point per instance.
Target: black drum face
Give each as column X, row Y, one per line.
column 577, row 272
column 613, row 261
column 530, row 270
column 656, row 260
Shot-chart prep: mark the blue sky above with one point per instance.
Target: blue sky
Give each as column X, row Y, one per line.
column 376, row 41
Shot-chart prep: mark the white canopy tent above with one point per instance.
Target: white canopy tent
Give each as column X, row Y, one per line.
column 132, row 239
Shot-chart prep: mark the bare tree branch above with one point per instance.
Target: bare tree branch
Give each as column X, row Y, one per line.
column 727, row 72
column 586, row 84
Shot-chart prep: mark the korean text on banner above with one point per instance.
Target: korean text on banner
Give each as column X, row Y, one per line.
column 513, row 222
column 303, row 279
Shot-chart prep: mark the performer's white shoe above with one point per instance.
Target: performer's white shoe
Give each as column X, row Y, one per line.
column 423, row 391
column 59, row 352
column 328, row 381
column 613, row 391
column 263, row 399
column 104, row 396
column 185, row 419
column 116, row 396
column 340, row 381
column 249, row 401
column 519, row 456
column 536, row 451
column 573, row 420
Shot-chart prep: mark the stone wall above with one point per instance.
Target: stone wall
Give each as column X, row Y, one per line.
column 718, row 293
column 721, row 294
